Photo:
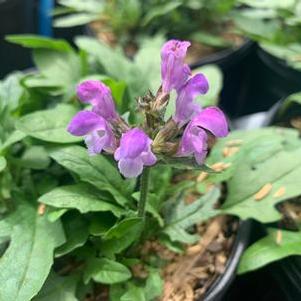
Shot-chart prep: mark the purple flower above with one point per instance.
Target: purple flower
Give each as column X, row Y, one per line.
column 98, row 133
column 99, row 96
column 194, row 140
column 134, row 152
column 185, row 107
column 174, row 72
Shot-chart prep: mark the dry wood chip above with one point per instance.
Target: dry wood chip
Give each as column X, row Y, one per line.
column 218, row 166
column 263, row 192
column 280, row 192
column 41, row 209
column 230, row 151
column 234, row 142
column 193, row 250
column 202, row 176
column 296, row 123
column 279, row 237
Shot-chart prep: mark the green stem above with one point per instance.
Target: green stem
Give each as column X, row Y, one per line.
column 143, row 192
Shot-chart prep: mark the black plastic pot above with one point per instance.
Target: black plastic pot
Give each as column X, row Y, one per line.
column 16, row 17
column 269, row 80
column 223, row 282
column 233, row 64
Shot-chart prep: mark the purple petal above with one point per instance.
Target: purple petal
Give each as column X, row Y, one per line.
column 84, row 122
column 185, row 107
column 100, row 96
column 133, row 143
column 148, row 158
column 213, row 120
column 130, row 168
column 174, row 72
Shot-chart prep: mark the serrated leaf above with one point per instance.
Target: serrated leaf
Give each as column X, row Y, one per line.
column 106, row 271
column 49, row 125
column 180, row 216
column 270, row 156
column 22, row 274
column 58, row 288
column 96, row 170
column 82, row 197
column 267, row 250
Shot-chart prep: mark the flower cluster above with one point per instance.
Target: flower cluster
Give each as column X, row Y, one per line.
column 185, row 134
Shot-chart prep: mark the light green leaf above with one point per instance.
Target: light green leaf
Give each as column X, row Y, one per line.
column 16, row 136
column 96, row 170
column 35, row 157
column 267, row 250
column 154, row 285
column 49, row 125
column 82, row 197
column 75, row 19
column 215, row 79
column 180, row 216
column 121, row 236
column 22, row 273
column 106, row 271
column 38, row 42
column 58, row 288
column 133, row 293
column 2, row 163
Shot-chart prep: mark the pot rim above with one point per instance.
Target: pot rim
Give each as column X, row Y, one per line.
column 222, row 283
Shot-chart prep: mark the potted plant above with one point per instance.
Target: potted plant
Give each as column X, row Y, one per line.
column 95, row 225
column 275, row 71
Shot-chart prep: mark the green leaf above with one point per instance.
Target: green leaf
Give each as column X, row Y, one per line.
column 14, row 137
column 133, row 293
column 106, row 271
column 121, row 236
column 22, row 274
column 35, row 157
column 179, row 216
column 154, row 285
column 82, row 197
column 2, row 163
column 267, row 250
column 214, row 76
column 266, row 156
column 76, row 231
column 75, row 19
column 160, row 10
column 96, row 170
column 58, row 288
column 38, row 42
column 49, row 125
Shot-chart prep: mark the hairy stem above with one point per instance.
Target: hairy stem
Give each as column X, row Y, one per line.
column 143, row 192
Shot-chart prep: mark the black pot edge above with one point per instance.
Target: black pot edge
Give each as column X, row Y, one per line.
column 227, row 57
column 222, row 283
column 278, row 65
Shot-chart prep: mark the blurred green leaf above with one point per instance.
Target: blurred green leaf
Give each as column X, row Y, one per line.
column 49, row 125
column 267, row 250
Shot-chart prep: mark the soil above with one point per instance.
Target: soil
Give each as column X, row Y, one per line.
column 187, row 277
column 196, row 50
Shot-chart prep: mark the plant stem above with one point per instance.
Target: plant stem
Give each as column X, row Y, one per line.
column 143, row 192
